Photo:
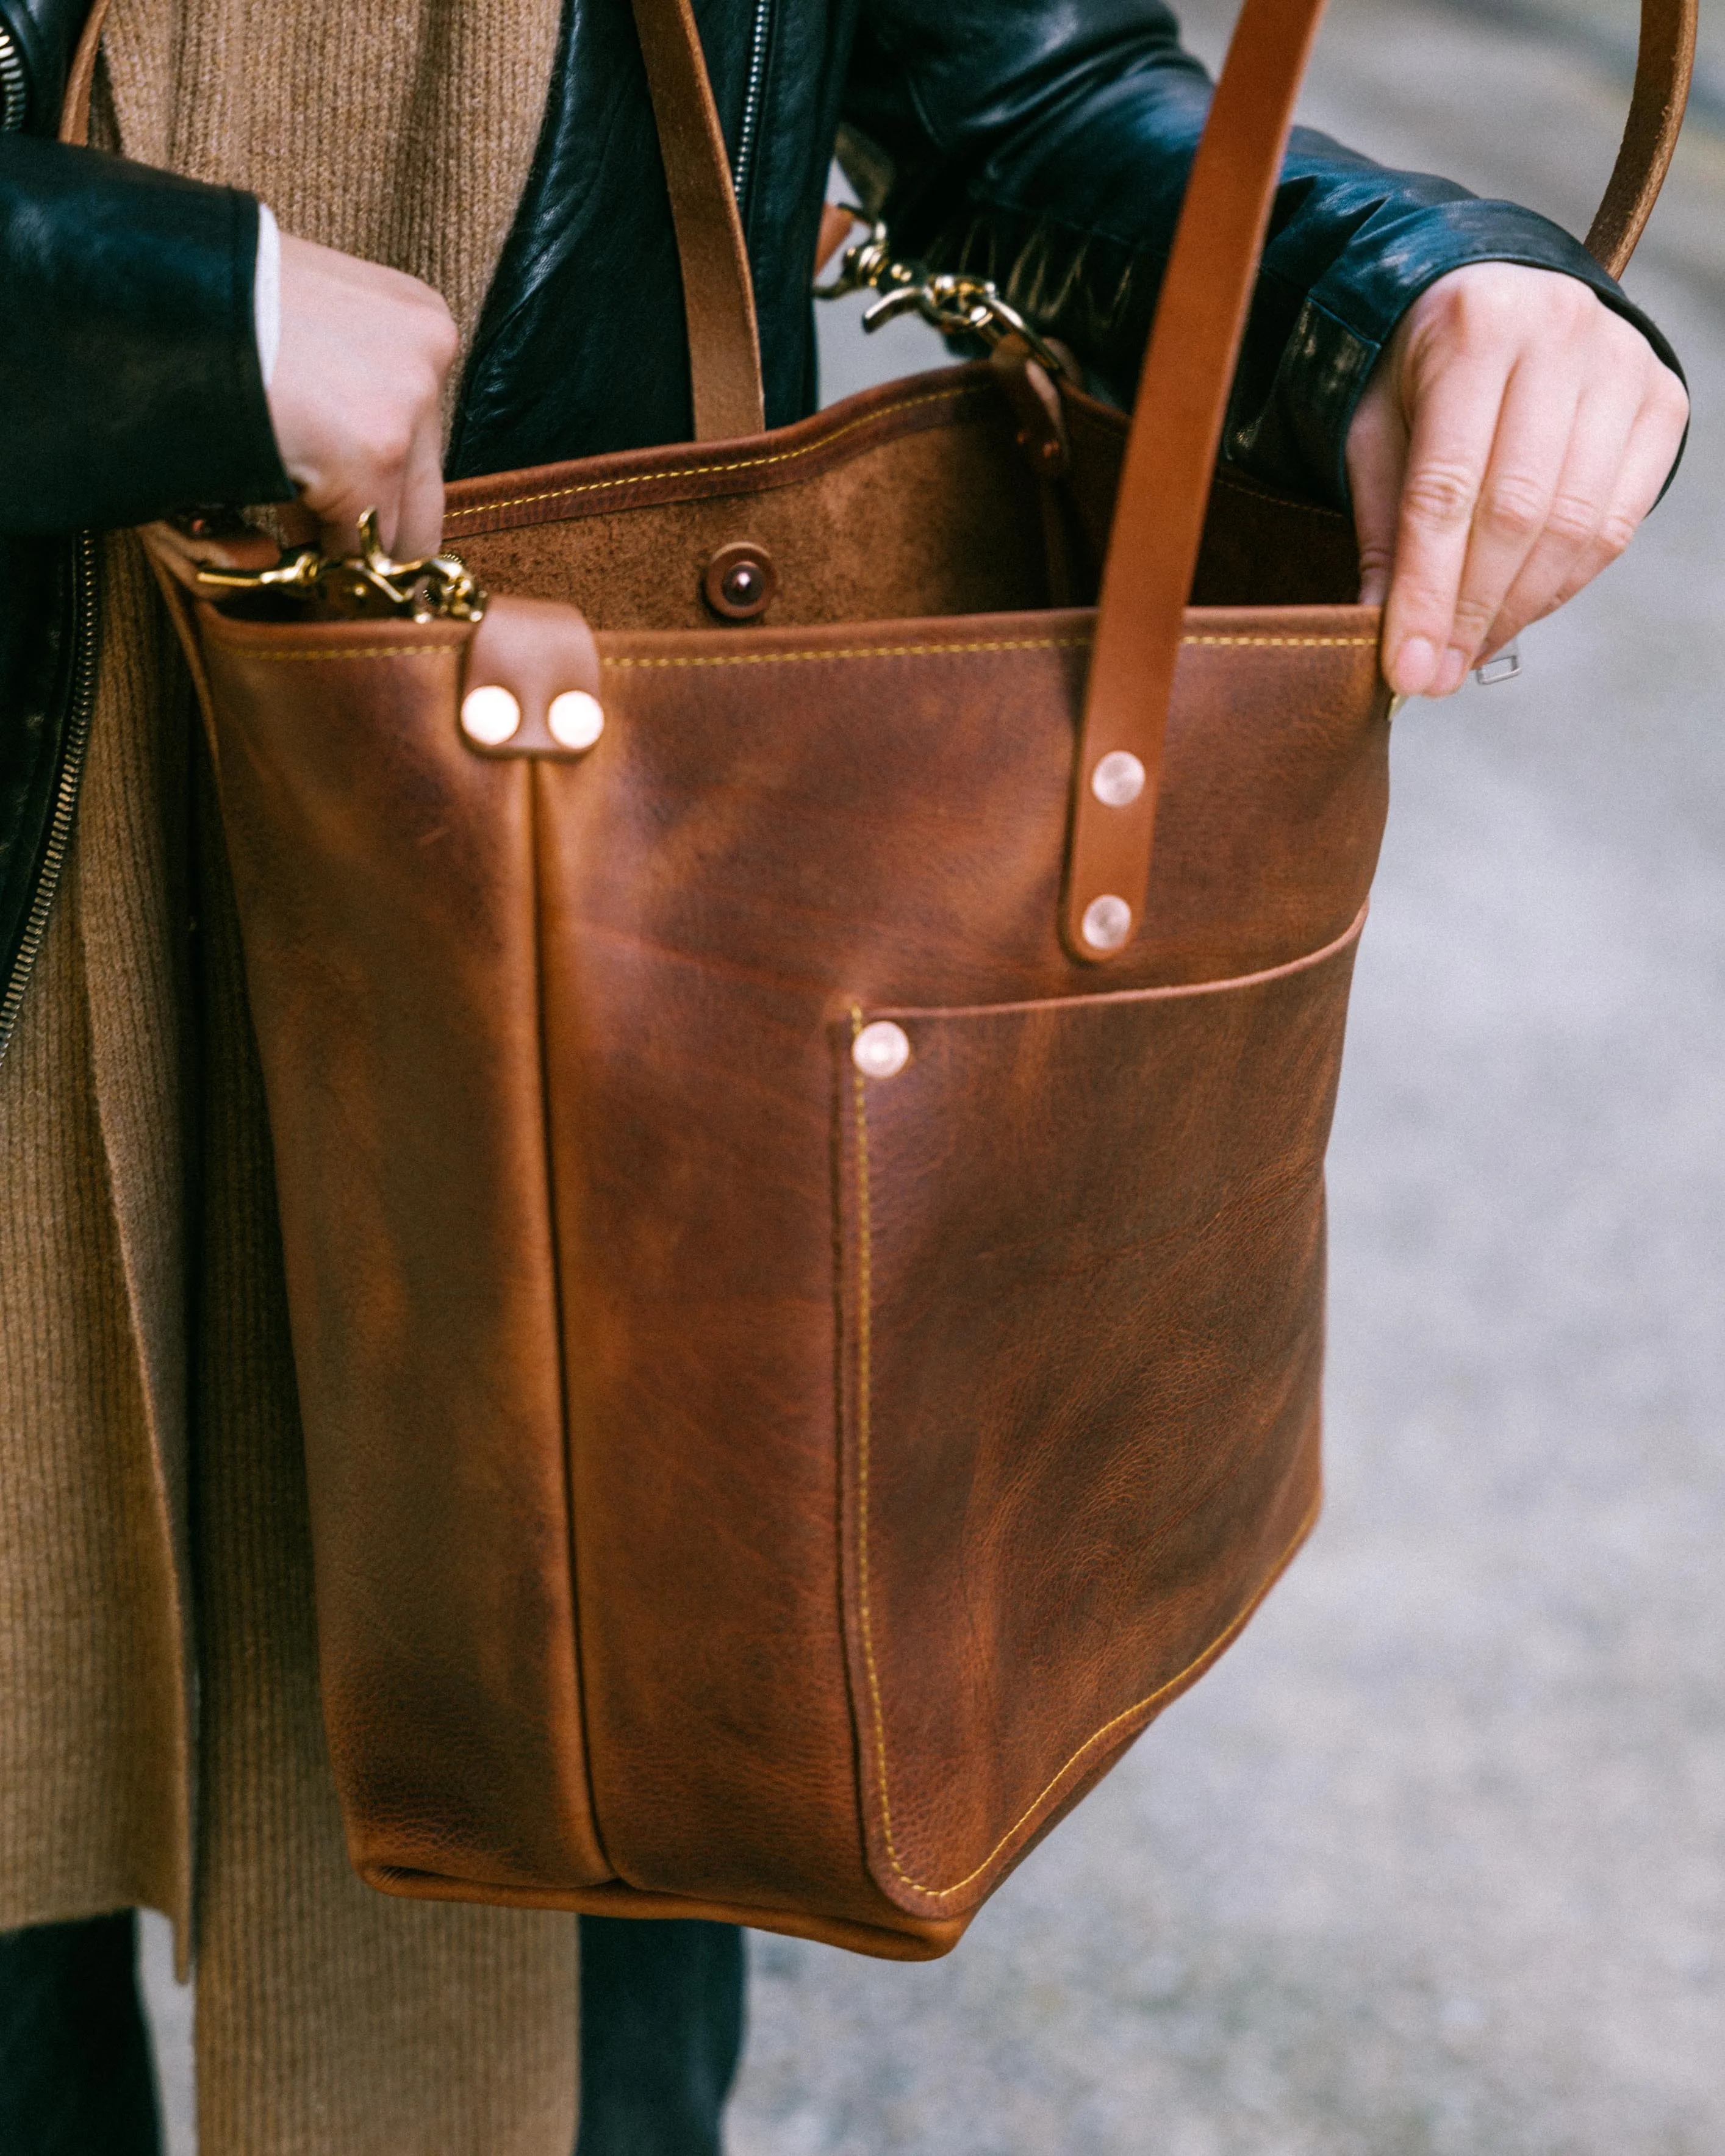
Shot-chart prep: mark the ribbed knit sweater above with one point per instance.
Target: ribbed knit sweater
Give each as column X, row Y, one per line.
column 160, row 1735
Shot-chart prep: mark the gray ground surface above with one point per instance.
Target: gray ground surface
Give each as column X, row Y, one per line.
column 1432, row 1863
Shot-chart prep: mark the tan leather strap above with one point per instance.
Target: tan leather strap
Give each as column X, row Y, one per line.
column 1663, row 75
column 1183, row 397
column 1170, row 457
column 74, row 112
column 718, row 293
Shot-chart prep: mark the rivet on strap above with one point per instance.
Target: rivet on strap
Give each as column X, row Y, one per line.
column 1188, row 373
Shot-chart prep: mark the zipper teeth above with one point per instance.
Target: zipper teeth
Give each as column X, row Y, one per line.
column 14, row 89
column 752, row 103
column 65, row 803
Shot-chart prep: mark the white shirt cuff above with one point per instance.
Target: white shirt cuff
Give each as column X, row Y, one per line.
column 266, row 291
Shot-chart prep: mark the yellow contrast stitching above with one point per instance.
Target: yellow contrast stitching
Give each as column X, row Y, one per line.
column 352, row 651
column 793, row 658
column 864, row 1329
column 1004, row 643
column 864, row 651
column 704, row 472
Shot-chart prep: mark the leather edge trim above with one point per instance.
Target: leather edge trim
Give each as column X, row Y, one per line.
column 476, row 506
column 924, row 1938
column 1179, row 991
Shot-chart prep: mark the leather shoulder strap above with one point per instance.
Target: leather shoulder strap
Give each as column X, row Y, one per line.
column 75, row 113
column 718, row 293
column 1663, row 75
column 1165, row 484
column 1177, row 426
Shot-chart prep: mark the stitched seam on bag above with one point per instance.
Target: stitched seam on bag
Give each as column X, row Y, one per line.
column 704, row 471
column 864, row 651
column 1004, row 644
column 350, row 651
column 864, row 1333
column 865, row 1328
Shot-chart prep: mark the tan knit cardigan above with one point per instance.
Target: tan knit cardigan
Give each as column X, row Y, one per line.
column 160, row 1737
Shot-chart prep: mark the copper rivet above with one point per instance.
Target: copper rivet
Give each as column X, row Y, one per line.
column 1107, row 922
column 1118, row 779
column 576, row 720
column 739, row 581
column 881, row 1051
column 490, row 717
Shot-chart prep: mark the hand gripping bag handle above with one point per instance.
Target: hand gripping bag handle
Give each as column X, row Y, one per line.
column 1182, row 397
column 1187, row 374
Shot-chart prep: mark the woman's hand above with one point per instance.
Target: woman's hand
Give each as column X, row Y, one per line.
column 1514, row 435
column 356, row 397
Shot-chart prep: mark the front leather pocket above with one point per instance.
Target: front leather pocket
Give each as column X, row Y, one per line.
column 1082, row 1285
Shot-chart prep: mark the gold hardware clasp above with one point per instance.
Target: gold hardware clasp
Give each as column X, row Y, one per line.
column 366, row 586
column 956, row 305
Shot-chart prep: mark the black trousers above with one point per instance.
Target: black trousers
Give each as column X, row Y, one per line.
column 661, row 2009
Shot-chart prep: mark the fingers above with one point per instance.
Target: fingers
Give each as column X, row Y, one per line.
column 1521, row 504
column 1488, row 445
column 419, row 525
column 356, row 397
column 1376, row 467
column 1448, row 453
column 1540, row 429
column 1620, row 457
column 1568, row 552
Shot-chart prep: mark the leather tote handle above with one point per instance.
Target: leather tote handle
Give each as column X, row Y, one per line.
column 718, row 292
column 1183, row 397
column 1663, row 74
column 74, row 112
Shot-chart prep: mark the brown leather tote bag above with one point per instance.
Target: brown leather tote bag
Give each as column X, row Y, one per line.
column 800, row 1110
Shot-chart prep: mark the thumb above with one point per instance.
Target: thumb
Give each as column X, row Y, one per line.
column 1377, row 466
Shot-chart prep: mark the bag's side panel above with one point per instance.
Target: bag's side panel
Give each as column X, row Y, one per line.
column 1084, row 1318
column 384, row 879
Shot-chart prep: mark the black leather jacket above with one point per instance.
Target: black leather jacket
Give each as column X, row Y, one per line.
column 1044, row 141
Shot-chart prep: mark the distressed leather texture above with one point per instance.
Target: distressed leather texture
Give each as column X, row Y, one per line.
column 749, row 1479
column 558, row 1055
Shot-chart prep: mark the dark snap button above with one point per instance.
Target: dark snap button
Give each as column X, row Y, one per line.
column 739, row 581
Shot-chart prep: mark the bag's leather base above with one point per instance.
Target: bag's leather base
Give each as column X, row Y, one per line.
column 917, row 1941
column 910, row 1939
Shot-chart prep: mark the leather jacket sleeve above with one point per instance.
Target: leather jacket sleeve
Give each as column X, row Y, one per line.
column 128, row 358
column 1048, row 148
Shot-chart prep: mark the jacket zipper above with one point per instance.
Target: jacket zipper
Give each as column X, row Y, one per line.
column 751, row 106
column 14, row 84
column 66, row 798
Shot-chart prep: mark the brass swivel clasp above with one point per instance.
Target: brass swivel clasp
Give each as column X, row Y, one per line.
column 955, row 305
column 366, row 586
